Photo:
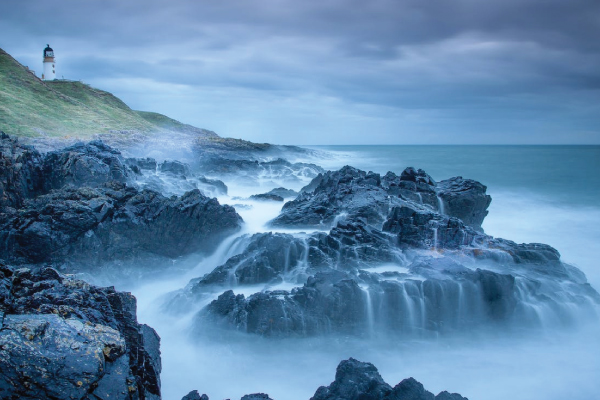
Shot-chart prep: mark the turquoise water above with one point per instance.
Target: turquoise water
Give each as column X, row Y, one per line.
column 567, row 174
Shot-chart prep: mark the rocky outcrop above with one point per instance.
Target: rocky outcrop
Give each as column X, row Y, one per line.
column 194, row 395
column 349, row 192
column 20, row 172
column 84, row 164
column 174, row 167
column 62, row 338
column 91, row 226
column 266, row 197
column 355, row 380
column 464, row 199
column 353, row 193
column 451, row 298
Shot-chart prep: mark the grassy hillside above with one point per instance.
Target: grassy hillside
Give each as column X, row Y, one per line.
column 30, row 107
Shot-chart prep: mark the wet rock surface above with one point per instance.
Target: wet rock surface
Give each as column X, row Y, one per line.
column 437, row 274
column 113, row 222
column 63, row 338
column 84, row 164
column 353, row 193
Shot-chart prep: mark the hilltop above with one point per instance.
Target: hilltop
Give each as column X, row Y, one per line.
column 63, row 110
column 54, row 114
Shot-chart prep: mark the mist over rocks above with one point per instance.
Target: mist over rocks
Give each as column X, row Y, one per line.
column 446, row 276
column 77, row 207
column 63, row 338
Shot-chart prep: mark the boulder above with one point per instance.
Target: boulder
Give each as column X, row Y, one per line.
column 464, row 199
column 354, row 380
column 174, row 167
column 63, row 338
column 194, row 395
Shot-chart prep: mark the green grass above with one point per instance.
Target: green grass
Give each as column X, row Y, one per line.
column 30, row 107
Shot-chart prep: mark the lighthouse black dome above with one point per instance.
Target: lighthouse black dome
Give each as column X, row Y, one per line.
column 48, row 52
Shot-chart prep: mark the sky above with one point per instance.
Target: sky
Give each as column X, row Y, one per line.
column 333, row 71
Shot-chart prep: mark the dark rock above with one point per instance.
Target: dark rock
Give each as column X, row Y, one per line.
column 426, row 229
column 84, row 164
column 20, row 172
column 283, row 192
column 339, row 302
column 409, row 389
column 349, row 192
column 256, row 396
column 63, row 338
column 174, row 167
column 354, row 380
column 449, row 396
column 216, row 186
column 464, row 199
column 194, row 395
column 113, row 222
column 267, row 197
column 142, row 164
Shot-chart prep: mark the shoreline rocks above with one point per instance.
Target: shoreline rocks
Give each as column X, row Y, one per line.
column 356, row 380
column 63, row 338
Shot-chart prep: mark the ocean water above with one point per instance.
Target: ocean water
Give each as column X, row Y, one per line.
column 544, row 194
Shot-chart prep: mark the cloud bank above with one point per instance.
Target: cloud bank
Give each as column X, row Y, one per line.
column 333, row 71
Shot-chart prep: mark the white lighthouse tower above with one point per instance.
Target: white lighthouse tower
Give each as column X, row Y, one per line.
column 49, row 64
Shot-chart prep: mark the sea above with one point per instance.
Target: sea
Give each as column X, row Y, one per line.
column 541, row 194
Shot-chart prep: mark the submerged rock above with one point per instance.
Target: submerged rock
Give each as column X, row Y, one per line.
column 63, row 338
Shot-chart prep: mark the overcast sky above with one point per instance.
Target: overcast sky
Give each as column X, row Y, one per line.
column 333, row 71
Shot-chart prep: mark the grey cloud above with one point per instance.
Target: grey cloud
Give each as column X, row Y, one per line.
column 512, row 59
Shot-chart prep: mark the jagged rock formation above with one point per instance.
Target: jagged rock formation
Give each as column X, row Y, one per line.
column 437, row 283
column 84, row 164
column 62, row 338
column 90, row 216
column 356, row 380
column 113, row 222
column 353, row 193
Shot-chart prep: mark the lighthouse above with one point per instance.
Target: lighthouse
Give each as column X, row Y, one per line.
column 49, row 64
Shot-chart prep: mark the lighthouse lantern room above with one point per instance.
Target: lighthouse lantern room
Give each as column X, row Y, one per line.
column 49, row 64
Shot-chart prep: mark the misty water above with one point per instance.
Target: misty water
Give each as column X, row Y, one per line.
column 545, row 194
